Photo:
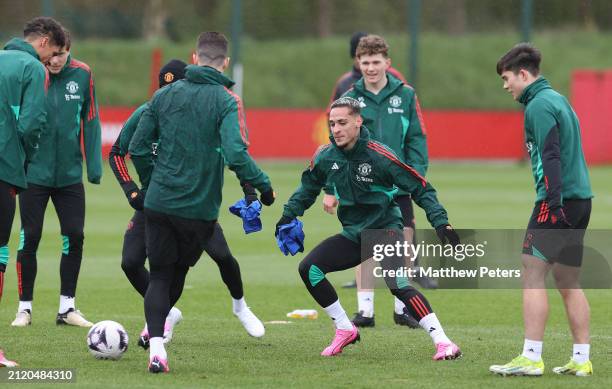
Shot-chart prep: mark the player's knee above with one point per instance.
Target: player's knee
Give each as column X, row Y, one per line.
column 304, row 269
column 129, row 264
column 566, row 285
column 72, row 243
column 405, row 293
column 161, row 273
column 223, row 259
column 29, row 239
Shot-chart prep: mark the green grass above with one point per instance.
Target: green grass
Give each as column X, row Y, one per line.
column 211, row 348
column 454, row 72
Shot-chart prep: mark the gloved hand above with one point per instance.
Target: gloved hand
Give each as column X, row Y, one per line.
column 281, row 222
column 290, row 235
column 134, row 195
column 555, row 218
column 249, row 193
column 446, row 233
column 267, row 198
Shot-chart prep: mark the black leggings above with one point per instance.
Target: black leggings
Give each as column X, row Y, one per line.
column 340, row 253
column 173, row 245
column 134, row 257
column 7, row 213
column 69, row 202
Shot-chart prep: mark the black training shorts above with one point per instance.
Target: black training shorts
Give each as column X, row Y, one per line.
column 556, row 242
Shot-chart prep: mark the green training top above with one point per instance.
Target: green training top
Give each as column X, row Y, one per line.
column 23, row 80
column 365, row 179
column 552, row 136
column 198, row 124
column 72, row 118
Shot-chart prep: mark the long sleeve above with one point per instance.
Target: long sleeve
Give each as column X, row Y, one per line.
column 234, row 143
column 408, row 179
column 546, row 135
column 116, row 160
column 140, row 146
column 92, row 135
column 415, row 146
column 32, row 112
column 119, row 151
column 306, row 194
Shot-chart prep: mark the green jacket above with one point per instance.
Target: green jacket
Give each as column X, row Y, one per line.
column 552, row 136
column 119, row 150
column 198, row 122
column 394, row 118
column 23, row 80
column 365, row 180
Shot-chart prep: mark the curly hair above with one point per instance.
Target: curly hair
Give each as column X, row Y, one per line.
column 372, row 45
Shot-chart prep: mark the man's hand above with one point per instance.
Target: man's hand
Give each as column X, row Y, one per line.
column 446, row 233
column 330, row 202
column 267, row 198
column 281, row 222
column 557, row 218
column 249, row 193
column 134, row 195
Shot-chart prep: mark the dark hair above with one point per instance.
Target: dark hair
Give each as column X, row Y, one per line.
column 212, row 47
column 45, row 26
column 173, row 71
column 521, row 56
column 355, row 41
column 353, row 105
column 372, row 45
column 67, row 39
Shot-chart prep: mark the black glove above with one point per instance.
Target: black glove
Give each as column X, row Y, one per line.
column 281, row 222
column 556, row 218
column 447, row 233
column 2, row 269
column 268, row 197
column 249, row 193
column 134, row 195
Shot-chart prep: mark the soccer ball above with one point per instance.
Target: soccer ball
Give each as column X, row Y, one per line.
column 107, row 340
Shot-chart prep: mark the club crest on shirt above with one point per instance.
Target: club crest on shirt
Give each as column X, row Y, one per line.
column 395, row 101
column 72, row 87
column 364, row 169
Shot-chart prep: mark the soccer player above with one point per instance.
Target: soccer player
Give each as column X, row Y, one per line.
column 200, row 126
column 134, row 251
column 23, row 82
column 555, row 232
column 55, row 173
column 391, row 111
column 348, row 79
column 364, row 173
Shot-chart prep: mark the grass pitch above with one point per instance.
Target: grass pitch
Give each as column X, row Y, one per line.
column 211, row 348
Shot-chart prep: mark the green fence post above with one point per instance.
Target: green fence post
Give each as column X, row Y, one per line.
column 414, row 17
column 237, row 73
column 48, row 8
column 526, row 19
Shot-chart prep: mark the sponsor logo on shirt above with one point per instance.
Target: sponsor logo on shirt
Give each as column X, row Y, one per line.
column 335, row 166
